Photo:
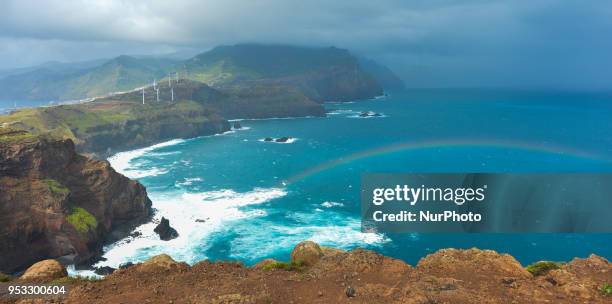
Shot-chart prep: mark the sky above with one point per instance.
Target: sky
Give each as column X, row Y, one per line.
column 428, row 43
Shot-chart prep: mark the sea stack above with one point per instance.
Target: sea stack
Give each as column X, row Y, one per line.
column 164, row 230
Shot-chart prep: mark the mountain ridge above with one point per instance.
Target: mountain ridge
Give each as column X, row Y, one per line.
column 221, row 65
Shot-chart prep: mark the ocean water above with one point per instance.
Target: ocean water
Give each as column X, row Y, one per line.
column 235, row 197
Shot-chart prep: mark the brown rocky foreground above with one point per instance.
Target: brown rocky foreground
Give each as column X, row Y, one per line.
column 324, row 275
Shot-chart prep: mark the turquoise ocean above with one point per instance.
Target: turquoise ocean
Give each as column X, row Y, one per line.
column 235, row 197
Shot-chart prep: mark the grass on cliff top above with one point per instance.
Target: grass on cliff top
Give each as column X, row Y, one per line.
column 81, row 121
column 4, row 278
column 81, row 220
column 606, row 289
column 10, row 134
column 55, row 186
column 291, row 266
column 543, row 267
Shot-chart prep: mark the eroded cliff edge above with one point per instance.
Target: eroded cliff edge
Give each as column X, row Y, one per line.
column 318, row 274
column 55, row 202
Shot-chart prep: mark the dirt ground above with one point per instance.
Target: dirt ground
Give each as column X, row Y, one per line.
column 357, row 276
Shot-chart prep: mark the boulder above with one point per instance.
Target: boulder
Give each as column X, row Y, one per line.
column 164, row 230
column 126, row 265
column 472, row 263
column 104, row 270
column 350, row 292
column 268, row 139
column 307, row 252
column 45, row 270
column 237, row 125
column 162, row 261
column 282, row 139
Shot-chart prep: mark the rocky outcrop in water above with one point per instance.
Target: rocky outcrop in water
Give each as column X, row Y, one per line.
column 164, row 230
column 55, row 203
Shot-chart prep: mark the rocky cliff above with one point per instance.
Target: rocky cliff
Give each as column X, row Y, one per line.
column 317, row 274
column 106, row 126
column 57, row 203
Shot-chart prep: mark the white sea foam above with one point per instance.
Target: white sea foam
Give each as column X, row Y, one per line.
column 331, row 204
column 188, row 181
column 272, row 118
column 164, row 153
column 342, row 112
column 73, row 272
column 384, row 95
column 215, row 208
column 243, row 128
column 326, row 228
column 369, row 116
column 289, row 141
column 121, row 161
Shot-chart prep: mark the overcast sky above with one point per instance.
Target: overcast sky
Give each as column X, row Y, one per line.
column 430, row 43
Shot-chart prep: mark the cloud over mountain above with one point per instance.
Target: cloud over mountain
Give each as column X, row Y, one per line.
column 431, row 43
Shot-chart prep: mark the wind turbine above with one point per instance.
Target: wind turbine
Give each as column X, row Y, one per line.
column 177, row 78
column 172, row 91
column 154, row 84
column 157, row 91
column 143, row 96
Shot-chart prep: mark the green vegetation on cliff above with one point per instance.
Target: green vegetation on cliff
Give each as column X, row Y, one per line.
column 81, row 220
column 10, row 134
column 288, row 266
column 123, row 121
column 542, row 267
column 55, row 186
column 108, row 123
column 606, row 289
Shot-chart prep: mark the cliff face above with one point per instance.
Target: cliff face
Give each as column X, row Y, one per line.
column 105, row 126
column 185, row 120
column 55, row 202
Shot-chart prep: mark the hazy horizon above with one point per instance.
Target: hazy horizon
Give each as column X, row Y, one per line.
column 543, row 43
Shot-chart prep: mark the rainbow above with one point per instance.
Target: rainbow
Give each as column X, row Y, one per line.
column 448, row 143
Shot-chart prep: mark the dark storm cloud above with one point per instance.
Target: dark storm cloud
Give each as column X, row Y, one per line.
column 430, row 43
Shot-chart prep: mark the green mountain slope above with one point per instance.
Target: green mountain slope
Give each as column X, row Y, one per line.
column 322, row 74
column 119, row 74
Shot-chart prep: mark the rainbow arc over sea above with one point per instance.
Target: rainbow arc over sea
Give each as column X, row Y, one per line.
column 541, row 147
